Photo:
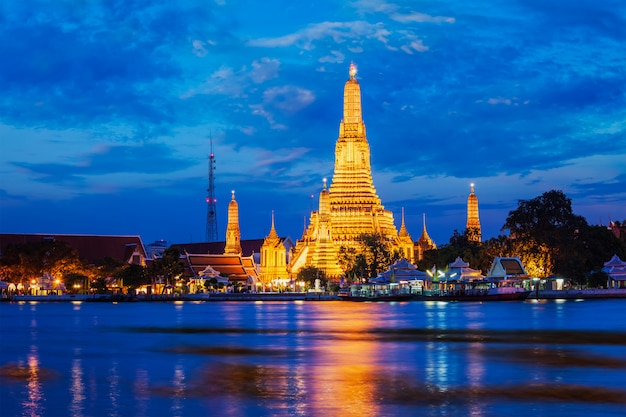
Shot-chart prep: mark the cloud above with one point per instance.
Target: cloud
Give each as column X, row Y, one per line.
column 106, row 159
column 415, row 45
column 198, row 48
column 335, row 57
column 420, row 18
column 288, row 98
column 264, row 69
column 339, row 32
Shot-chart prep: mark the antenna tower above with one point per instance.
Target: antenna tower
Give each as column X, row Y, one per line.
column 211, row 215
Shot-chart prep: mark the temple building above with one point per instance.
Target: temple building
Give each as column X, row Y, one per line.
column 424, row 243
column 233, row 234
column 473, row 222
column 350, row 207
column 273, row 257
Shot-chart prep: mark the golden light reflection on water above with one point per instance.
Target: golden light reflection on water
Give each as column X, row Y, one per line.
column 33, row 406
column 312, row 360
column 178, row 390
column 77, row 387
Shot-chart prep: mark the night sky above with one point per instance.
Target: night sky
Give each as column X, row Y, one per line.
column 107, row 109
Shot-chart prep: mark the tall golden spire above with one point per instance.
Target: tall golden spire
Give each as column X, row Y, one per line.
column 355, row 207
column 424, row 243
column 473, row 221
column 405, row 242
column 403, row 232
column 233, row 234
column 350, row 207
column 273, row 235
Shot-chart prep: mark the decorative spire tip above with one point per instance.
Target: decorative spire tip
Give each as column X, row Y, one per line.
column 353, row 70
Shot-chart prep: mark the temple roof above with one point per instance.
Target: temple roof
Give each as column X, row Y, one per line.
column 458, row 263
column 91, row 248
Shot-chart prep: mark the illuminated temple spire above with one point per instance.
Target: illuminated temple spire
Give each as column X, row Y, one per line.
column 350, row 207
column 233, row 234
column 473, row 221
column 424, row 243
column 273, row 235
column 355, row 207
column 405, row 241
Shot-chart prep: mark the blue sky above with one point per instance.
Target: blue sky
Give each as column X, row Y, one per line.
column 107, row 108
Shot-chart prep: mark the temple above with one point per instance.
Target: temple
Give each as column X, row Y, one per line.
column 233, row 234
column 424, row 243
column 273, row 263
column 350, row 207
column 473, row 222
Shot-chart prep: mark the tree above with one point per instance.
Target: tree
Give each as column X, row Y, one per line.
column 169, row 267
column 546, row 235
column 76, row 283
column 133, row 276
column 309, row 274
column 24, row 262
column 597, row 279
column 461, row 245
column 374, row 255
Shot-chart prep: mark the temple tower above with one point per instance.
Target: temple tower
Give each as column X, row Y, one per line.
column 273, row 256
column 350, row 207
column 355, row 207
column 424, row 243
column 473, row 222
column 405, row 242
column 233, row 234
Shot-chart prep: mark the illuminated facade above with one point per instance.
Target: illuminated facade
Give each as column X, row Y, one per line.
column 233, row 234
column 350, row 207
column 273, row 257
column 473, row 222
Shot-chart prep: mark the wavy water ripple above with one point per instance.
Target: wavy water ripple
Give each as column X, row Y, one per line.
column 313, row 359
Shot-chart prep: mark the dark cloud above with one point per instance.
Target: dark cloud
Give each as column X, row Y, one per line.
column 144, row 159
column 76, row 65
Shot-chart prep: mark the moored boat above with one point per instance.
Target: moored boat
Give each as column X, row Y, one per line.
column 483, row 290
column 376, row 292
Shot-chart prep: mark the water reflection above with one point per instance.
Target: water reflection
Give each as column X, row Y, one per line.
column 178, row 390
column 308, row 359
column 141, row 385
column 77, row 387
column 33, row 405
column 114, row 390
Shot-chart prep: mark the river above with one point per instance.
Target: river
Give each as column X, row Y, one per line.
column 305, row 358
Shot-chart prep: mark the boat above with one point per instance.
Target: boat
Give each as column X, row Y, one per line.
column 376, row 292
column 482, row 290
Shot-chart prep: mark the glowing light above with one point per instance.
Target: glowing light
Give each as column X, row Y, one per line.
column 352, row 70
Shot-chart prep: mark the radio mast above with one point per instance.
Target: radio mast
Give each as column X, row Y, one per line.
column 211, row 215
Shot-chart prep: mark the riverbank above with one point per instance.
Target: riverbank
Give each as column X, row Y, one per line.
column 290, row 296
column 283, row 296
column 578, row 294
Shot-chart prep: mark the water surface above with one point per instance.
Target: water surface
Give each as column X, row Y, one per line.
column 313, row 359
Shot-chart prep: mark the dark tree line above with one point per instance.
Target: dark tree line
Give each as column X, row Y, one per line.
column 547, row 236
column 23, row 263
